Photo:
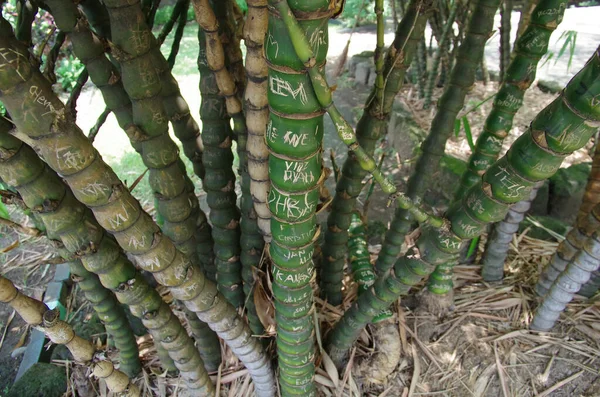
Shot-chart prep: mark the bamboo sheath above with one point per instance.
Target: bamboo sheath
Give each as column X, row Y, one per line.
column 64, row 147
column 69, row 221
column 561, row 128
column 463, row 76
column 37, row 314
column 530, row 47
column 371, row 127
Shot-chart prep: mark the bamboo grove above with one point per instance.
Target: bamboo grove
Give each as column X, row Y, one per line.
column 248, row 274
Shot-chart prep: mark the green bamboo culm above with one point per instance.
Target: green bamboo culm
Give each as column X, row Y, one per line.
column 360, row 262
column 530, row 47
column 181, row 23
column 219, row 182
column 115, row 208
column 207, row 341
column 37, row 314
column 112, row 315
column 371, row 127
column 68, row 221
column 505, row 27
column 561, row 128
column 462, row 78
column 442, row 46
column 294, row 138
column 26, row 12
column 591, row 195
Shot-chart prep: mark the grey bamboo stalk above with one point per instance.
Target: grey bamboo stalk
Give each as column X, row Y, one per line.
column 501, row 236
column 257, row 111
column 68, row 151
column 590, row 288
column 69, row 222
column 576, row 274
column 37, row 314
column 568, row 248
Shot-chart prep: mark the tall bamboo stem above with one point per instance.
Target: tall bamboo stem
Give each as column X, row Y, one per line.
column 257, row 111
column 501, row 236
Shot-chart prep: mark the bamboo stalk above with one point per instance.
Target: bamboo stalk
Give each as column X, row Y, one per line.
column 442, row 46
column 568, row 283
column 561, row 128
column 220, row 181
column 68, row 151
column 591, row 196
column 294, row 138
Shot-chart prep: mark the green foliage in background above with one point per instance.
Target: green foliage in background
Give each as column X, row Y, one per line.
column 68, row 69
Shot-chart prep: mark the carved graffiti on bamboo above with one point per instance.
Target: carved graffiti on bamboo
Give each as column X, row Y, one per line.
column 281, row 87
column 271, row 132
column 12, row 58
column 271, row 42
column 512, row 189
column 303, row 255
column 119, row 218
column 293, row 139
column 317, row 39
column 292, row 208
column 36, row 94
column 297, row 171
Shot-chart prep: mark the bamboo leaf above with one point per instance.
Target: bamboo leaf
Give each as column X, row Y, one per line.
column 4, row 211
column 468, row 134
column 457, row 127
